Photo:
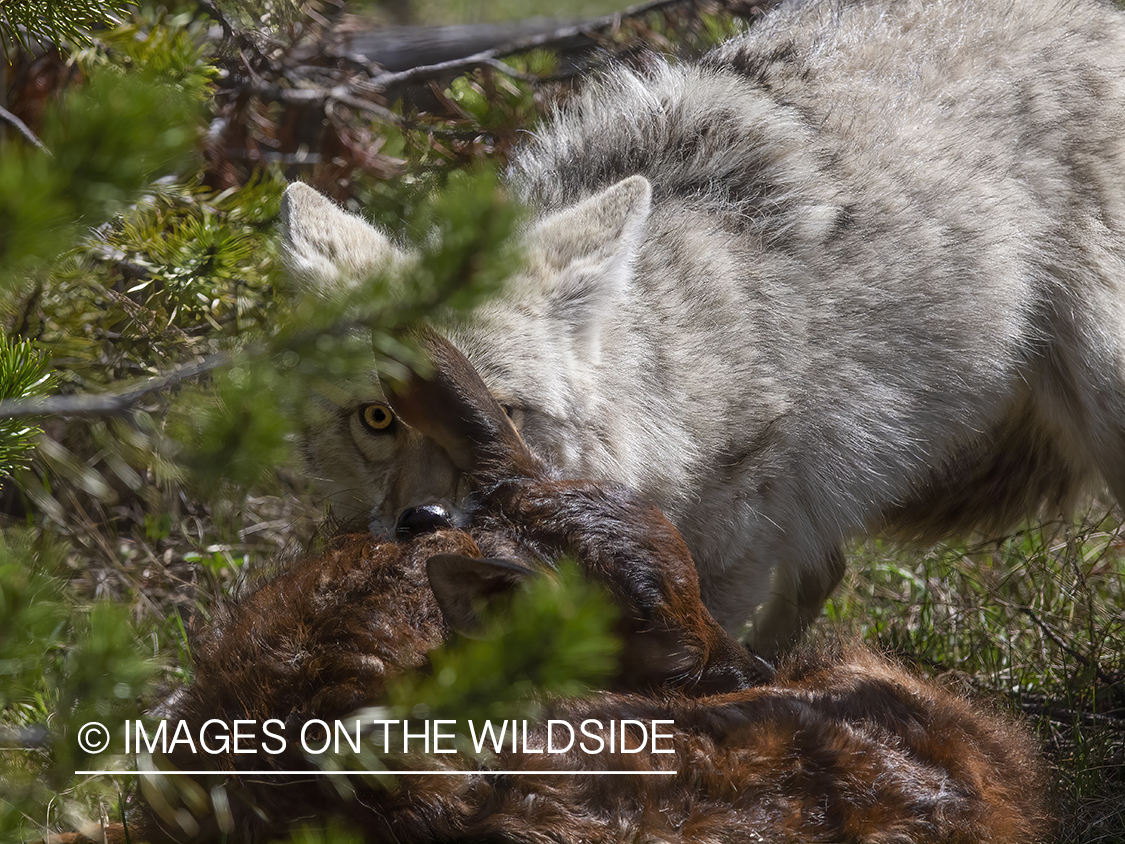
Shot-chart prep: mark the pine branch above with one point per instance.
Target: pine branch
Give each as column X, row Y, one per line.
column 54, row 21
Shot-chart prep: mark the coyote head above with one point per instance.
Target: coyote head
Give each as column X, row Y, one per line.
column 534, row 349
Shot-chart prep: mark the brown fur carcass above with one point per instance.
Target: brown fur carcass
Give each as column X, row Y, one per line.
column 839, row 746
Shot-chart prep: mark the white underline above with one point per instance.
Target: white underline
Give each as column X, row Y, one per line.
column 384, row 773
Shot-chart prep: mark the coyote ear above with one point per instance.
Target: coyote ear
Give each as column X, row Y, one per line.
column 326, row 248
column 588, row 249
column 464, row 586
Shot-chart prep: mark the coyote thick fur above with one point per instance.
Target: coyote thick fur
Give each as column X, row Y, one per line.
column 858, row 270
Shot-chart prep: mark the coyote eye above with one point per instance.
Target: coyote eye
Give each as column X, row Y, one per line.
column 376, row 417
column 515, row 414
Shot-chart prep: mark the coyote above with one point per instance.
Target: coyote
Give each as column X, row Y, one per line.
column 858, row 270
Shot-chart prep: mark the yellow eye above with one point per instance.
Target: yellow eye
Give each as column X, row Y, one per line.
column 516, row 414
column 376, row 417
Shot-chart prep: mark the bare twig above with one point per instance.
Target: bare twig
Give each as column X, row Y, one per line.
column 216, row 13
column 1099, row 672
column 554, row 38
column 31, row 736
column 325, row 98
column 381, row 80
column 21, row 127
column 109, row 404
column 1049, row 709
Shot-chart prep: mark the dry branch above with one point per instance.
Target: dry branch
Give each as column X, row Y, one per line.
column 109, row 404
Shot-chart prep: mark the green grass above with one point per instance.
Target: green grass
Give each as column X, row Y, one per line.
column 1035, row 620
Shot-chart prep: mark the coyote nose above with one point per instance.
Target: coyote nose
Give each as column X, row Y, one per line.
column 422, row 519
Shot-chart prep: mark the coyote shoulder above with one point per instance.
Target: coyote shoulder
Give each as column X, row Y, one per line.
column 858, row 270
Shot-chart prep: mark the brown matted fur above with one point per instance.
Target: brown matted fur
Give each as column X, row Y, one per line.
column 838, row 746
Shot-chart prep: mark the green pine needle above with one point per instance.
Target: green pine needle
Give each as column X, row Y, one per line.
column 25, row 21
column 23, row 373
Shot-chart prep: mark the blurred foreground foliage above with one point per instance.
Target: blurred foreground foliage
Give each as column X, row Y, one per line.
column 498, row 676
column 65, row 664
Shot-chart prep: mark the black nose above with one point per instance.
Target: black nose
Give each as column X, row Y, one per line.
column 423, row 519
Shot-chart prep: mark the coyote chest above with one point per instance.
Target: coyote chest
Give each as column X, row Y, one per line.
column 858, row 270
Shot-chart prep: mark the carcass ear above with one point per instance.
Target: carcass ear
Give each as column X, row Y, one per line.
column 327, row 250
column 466, row 586
column 454, row 408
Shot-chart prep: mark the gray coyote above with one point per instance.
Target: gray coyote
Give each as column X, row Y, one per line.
column 859, row 270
